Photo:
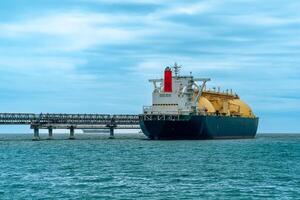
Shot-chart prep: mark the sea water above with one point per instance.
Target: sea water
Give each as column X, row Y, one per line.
column 132, row 167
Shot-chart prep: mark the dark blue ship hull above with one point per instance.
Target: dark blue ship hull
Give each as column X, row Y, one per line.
column 199, row 127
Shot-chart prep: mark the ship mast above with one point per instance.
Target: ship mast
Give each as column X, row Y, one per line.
column 176, row 69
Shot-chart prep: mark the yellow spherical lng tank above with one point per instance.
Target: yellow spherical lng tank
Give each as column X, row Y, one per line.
column 205, row 104
column 244, row 109
column 224, row 104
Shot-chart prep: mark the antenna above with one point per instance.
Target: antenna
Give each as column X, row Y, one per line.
column 176, row 69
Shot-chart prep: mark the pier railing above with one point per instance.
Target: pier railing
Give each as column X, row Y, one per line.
column 86, row 119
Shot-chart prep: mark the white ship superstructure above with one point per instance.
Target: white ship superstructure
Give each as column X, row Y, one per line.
column 175, row 94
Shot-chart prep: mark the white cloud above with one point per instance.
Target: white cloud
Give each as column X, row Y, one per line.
column 260, row 19
column 55, row 24
column 73, row 31
column 188, row 63
column 153, row 66
column 44, row 63
column 191, row 9
column 175, row 8
column 131, row 1
column 77, row 30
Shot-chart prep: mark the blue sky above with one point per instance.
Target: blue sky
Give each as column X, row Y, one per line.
column 95, row 56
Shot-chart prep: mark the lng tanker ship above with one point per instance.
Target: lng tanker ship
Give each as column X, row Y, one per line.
column 182, row 108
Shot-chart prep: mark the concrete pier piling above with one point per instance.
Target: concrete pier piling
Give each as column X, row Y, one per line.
column 36, row 135
column 111, row 133
column 72, row 133
column 50, row 133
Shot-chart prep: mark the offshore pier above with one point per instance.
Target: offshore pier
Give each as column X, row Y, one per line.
column 70, row 122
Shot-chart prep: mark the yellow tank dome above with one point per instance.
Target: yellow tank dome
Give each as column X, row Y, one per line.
column 237, row 106
column 204, row 103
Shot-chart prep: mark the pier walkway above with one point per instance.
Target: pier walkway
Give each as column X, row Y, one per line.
column 70, row 121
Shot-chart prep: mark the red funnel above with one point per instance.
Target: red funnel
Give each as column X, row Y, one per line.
column 168, row 80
